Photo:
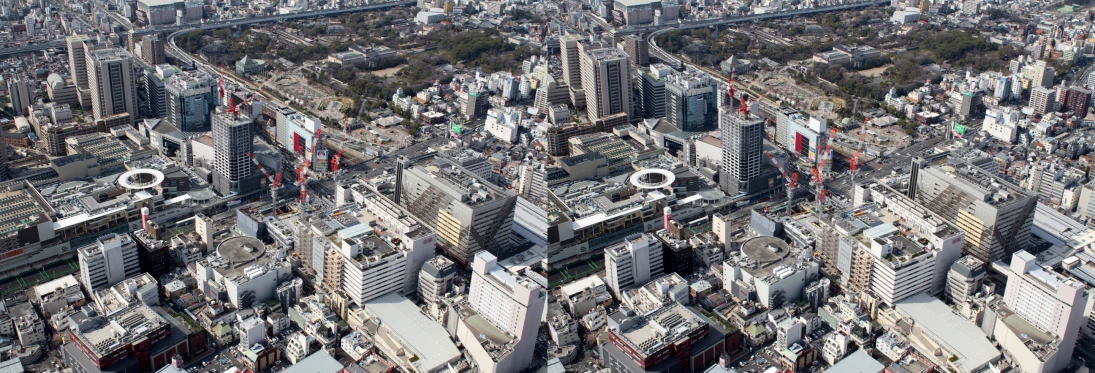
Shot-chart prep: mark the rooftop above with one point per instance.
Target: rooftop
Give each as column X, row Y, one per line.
column 856, row 362
column 974, row 180
column 422, row 336
column 318, row 362
column 21, row 206
column 953, row 333
column 667, row 326
column 241, row 256
column 105, row 334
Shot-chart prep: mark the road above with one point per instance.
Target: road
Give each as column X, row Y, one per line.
column 214, row 25
column 661, row 54
column 879, row 168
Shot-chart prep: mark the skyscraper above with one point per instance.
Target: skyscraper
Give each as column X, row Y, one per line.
column 233, row 171
column 606, row 80
column 112, row 83
column 652, row 89
column 155, row 92
column 19, row 90
column 190, row 100
column 690, row 102
column 742, row 148
column 572, row 73
column 77, row 63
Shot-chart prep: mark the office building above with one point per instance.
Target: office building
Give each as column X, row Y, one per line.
column 606, row 80
column 571, row 61
column 19, row 91
column 1043, row 100
column 78, row 46
column 505, row 301
column 112, row 83
column 632, row 262
column 637, row 48
column 468, row 213
column 652, row 90
column 154, row 253
column 964, row 279
column 108, row 261
column 233, row 170
column 742, row 151
column 995, row 214
column 289, row 292
column 690, row 103
column 191, row 100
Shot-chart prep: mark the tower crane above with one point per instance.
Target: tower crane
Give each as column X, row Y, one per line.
column 792, row 180
column 338, row 156
column 275, row 181
column 302, row 170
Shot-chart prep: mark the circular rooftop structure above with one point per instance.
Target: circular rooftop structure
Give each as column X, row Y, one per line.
column 241, row 249
column 202, row 195
column 652, row 178
column 139, row 179
column 765, row 249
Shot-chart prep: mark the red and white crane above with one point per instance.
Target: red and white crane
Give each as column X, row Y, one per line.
column 304, row 168
column 275, row 181
column 338, row 156
column 791, row 179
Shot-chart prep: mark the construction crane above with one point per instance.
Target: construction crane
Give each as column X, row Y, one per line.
column 302, row 170
column 820, row 183
column 854, row 163
column 338, row 156
column 792, row 180
column 275, row 181
column 826, row 156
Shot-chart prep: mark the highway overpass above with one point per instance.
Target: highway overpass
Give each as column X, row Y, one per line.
column 5, row 52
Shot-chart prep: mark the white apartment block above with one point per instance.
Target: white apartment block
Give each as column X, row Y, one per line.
column 633, row 262
column 511, row 302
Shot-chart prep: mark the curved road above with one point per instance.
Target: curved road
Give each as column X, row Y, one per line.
column 214, row 25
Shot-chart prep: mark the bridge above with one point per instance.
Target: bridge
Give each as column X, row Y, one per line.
column 5, row 52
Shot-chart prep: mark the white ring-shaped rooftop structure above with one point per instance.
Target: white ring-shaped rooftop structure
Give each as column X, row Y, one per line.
column 652, row 178
column 139, row 179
